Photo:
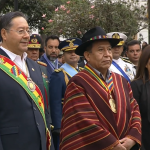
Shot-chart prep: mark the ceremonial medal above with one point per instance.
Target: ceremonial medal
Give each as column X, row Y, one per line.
column 30, row 84
column 112, row 104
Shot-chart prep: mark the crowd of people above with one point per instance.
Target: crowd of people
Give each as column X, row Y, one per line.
column 75, row 94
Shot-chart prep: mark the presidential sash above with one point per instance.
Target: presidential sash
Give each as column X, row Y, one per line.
column 13, row 71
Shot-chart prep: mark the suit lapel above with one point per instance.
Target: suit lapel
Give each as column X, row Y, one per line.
column 3, row 53
column 32, row 70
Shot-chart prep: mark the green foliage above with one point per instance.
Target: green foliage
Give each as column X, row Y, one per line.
column 33, row 9
column 75, row 18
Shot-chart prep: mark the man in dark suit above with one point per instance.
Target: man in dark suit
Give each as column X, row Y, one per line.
column 24, row 117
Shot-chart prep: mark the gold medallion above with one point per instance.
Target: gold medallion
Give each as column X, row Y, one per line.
column 31, row 85
column 112, row 104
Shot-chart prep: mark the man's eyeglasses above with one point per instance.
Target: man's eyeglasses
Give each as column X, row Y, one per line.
column 21, row 32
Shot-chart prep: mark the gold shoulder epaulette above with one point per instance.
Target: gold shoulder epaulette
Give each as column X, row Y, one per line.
column 42, row 63
column 126, row 59
column 80, row 68
column 58, row 70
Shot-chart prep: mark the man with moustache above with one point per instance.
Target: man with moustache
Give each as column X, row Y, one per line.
column 58, row 82
column 120, row 65
column 51, row 54
column 99, row 111
column 24, row 117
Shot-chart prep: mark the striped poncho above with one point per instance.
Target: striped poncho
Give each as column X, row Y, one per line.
column 88, row 121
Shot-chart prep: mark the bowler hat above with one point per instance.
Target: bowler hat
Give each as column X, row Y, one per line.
column 94, row 34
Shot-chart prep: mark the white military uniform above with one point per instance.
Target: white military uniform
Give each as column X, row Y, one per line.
column 125, row 66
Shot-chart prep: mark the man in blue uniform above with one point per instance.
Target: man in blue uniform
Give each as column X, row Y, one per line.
column 51, row 54
column 58, row 82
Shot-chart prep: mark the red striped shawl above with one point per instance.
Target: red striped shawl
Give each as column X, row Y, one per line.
column 88, row 122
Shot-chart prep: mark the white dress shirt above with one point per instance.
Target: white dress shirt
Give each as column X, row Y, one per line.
column 20, row 62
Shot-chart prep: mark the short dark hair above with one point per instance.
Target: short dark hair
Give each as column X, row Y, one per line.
column 133, row 42
column 5, row 20
column 53, row 37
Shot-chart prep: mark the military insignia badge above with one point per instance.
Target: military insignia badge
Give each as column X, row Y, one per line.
column 116, row 36
column 44, row 75
column 34, row 40
column 127, row 69
column 71, row 42
column 129, row 72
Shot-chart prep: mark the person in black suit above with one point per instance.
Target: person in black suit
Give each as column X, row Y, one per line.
column 24, row 117
column 141, row 92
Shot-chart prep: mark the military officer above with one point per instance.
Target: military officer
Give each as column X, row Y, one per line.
column 120, row 65
column 58, row 81
column 33, row 53
column 34, row 46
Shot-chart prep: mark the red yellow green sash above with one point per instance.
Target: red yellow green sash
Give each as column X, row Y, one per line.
column 108, row 87
column 12, row 70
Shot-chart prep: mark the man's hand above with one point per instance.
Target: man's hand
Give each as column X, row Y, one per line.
column 119, row 147
column 127, row 143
